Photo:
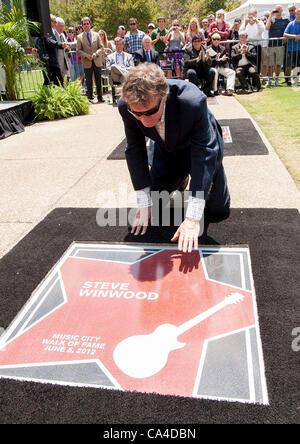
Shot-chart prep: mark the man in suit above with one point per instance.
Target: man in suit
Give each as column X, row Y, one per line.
column 147, row 53
column 119, row 62
column 52, row 44
column 243, row 58
column 63, row 59
column 91, row 50
column 196, row 68
column 188, row 140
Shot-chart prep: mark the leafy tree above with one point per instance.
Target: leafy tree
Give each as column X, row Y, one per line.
column 109, row 14
column 106, row 14
column 143, row 11
column 14, row 34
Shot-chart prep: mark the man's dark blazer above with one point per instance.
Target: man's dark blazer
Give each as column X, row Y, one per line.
column 236, row 55
column 51, row 47
column 140, row 56
column 190, row 60
column 192, row 137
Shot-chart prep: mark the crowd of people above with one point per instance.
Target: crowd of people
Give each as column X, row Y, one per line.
column 215, row 56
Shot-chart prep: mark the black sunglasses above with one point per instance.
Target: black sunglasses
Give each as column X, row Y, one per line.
column 132, row 24
column 150, row 112
column 216, row 39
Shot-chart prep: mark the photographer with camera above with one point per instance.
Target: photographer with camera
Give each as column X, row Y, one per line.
column 276, row 26
column 255, row 29
column 176, row 42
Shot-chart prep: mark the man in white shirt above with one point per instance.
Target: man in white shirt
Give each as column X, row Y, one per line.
column 119, row 62
column 255, row 29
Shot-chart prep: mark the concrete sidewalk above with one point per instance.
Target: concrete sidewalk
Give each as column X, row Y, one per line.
column 63, row 164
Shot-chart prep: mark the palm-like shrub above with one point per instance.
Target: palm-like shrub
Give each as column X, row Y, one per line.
column 14, row 32
column 57, row 102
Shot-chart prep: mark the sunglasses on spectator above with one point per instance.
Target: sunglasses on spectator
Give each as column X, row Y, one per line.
column 150, row 112
column 132, row 24
column 216, row 39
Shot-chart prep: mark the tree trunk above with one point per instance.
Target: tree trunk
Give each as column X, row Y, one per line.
column 11, row 88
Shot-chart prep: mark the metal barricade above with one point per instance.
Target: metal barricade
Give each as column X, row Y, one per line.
column 30, row 80
column 169, row 60
column 264, row 51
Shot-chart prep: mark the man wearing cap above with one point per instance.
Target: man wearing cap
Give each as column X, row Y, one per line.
column 158, row 36
column 234, row 32
column 150, row 29
column 121, row 31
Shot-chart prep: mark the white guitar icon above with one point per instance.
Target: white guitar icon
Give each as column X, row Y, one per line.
column 142, row 356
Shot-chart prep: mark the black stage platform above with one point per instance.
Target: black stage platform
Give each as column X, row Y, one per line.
column 14, row 115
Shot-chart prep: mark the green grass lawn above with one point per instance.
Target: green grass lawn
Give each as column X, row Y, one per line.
column 277, row 112
column 29, row 82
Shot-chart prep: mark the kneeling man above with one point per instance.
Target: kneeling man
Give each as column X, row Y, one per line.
column 188, row 141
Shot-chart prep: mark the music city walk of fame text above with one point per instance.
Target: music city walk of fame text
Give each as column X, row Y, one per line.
column 69, row 343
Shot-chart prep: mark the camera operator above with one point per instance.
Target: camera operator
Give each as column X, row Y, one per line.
column 176, row 41
column 276, row 26
column 255, row 29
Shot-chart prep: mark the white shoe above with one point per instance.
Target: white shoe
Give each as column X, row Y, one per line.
column 295, row 82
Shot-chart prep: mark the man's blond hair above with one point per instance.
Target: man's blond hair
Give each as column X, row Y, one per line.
column 144, row 82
